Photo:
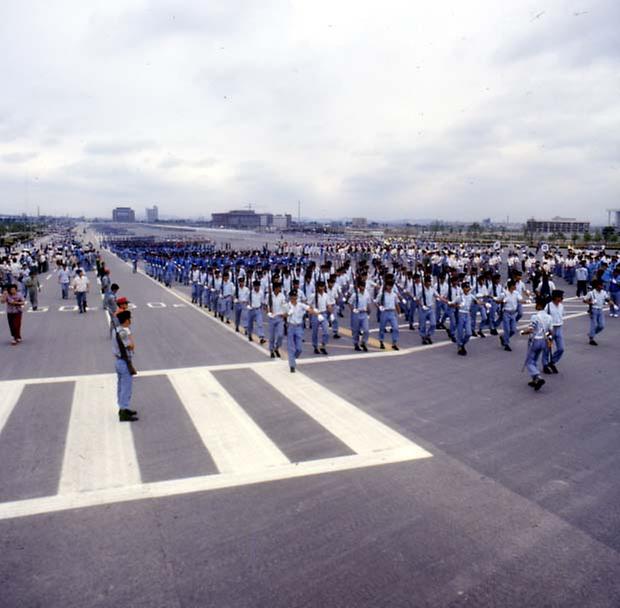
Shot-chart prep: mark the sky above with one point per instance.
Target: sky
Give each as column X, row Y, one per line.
column 389, row 110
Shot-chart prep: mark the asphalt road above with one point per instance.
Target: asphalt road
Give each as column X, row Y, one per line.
column 416, row 478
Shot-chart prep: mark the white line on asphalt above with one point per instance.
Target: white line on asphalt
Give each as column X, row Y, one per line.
column 236, row 443
column 48, row 277
column 177, row 487
column 9, row 396
column 354, row 427
column 99, row 452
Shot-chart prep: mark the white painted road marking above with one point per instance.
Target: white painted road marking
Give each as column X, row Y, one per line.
column 156, row 305
column 9, row 396
column 100, row 463
column 99, row 451
column 360, row 431
column 236, row 443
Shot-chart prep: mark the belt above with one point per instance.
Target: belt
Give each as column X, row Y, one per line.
column 294, row 324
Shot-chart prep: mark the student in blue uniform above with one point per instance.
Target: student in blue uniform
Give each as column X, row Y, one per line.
column 555, row 309
column 275, row 312
column 596, row 298
column 387, row 303
column 359, row 302
column 255, row 312
column 295, row 312
column 540, row 333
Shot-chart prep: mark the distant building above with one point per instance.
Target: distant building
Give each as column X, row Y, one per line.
column 123, row 214
column 152, row 215
column 566, row 225
column 617, row 214
column 359, row 222
column 245, row 219
column 282, row 222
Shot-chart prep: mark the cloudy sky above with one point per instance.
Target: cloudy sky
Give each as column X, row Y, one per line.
column 394, row 109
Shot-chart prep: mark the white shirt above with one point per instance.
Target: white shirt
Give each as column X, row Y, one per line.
column 296, row 312
column 80, row 284
column 556, row 313
column 278, row 304
column 597, row 298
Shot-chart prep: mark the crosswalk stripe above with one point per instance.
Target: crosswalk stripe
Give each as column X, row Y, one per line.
column 99, row 451
column 236, row 443
column 11, row 392
column 357, row 429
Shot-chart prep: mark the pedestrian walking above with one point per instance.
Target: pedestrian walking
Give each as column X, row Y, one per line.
column 596, row 299
column 540, row 332
column 14, row 309
column 81, row 286
column 33, row 287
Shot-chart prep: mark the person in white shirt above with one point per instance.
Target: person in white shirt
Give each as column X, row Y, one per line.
column 295, row 312
column 324, row 308
column 596, row 299
column 255, row 312
column 80, row 287
column 511, row 300
column 241, row 300
column 276, row 309
column 555, row 309
column 540, row 332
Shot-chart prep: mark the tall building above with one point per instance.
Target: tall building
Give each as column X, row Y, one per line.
column 282, row 222
column 359, row 222
column 566, row 225
column 123, row 214
column 152, row 214
column 245, row 219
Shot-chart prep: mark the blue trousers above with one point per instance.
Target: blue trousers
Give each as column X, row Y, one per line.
column 388, row 317
column 535, row 349
column 554, row 355
column 463, row 330
column 509, row 324
column 124, row 384
column 316, row 324
column 294, row 341
column 597, row 322
column 475, row 309
column 225, row 306
column 81, row 300
column 359, row 325
column 65, row 290
column 427, row 322
column 276, row 332
column 239, row 308
column 196, row 293
column 255, row 315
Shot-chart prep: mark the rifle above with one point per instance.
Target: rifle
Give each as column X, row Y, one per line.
column 124, row 354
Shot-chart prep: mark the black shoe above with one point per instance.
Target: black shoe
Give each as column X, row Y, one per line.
column 132, row 412
column 277, row 352
column 273, row 355
column 364, row 347
column 250, row 339
column 237, row 329
column 507, row 348
column 453, row 339
column 336, row 337
column 125, row 416
column 461, row 351
column 554, row 369
column 227, row 321
column 395, row 347
column 593, row 342
column 382, row 346
column 493, row 332
column 262, row 341
column 323, row 351
column 547, row 370
column 481, row 334
column 410, row 325
column 357, row 348
column 292, row 370
column 539, row 384
column 532, row 383
column 429, row 341
column 316, row 351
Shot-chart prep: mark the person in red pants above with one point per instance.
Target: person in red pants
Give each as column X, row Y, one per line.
column 14, row 307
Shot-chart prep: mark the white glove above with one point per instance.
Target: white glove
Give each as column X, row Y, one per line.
column 249, row 307
column 332, row 318
column 270, row 315
column 355, row 310
column 321, row 318
column 381, row 308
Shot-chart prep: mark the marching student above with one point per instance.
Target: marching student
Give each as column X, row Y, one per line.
column 496, row 293
column 255, row 312
column 555, row 309
column 359, row 302
column 463, row 302
column 276, row 310
column 295, row 312
column 225, row 300
column 479, row 306
column 596, row 298
column 614, row 293
column 324, row 309
column 523, row 294
column 510, row 301
column 387, row 303
column 539, row 331
column 427, row 302
column 241, row 300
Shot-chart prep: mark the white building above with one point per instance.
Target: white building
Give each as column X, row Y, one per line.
column 152, row 215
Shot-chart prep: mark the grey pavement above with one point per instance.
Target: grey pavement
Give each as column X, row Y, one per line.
column 518, row 504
